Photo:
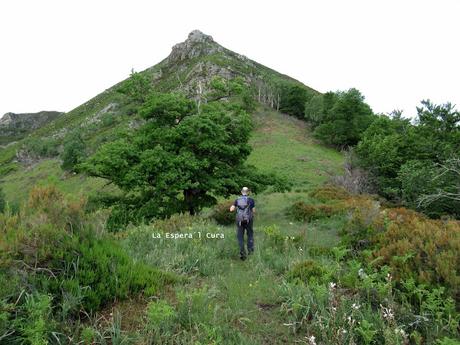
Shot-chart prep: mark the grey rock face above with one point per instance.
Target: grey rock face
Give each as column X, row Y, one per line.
column 15, row 126
column 197, row 44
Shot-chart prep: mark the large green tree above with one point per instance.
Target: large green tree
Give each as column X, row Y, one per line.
column 342, row 119
column 407, row 159
column 181, row 159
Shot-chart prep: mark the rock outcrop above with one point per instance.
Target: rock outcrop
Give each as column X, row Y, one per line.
column 15, row 126
column 197, row 44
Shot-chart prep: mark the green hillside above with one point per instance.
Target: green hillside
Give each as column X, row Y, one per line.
column 281, row 144
column 330, row 266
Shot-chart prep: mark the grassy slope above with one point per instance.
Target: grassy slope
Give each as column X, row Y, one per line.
column 245, row 295
column 246, row 292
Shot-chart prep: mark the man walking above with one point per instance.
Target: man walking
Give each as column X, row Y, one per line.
column 245, row 209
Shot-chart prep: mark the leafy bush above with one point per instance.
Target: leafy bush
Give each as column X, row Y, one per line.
column 36, row 324
column 273, row 235
column 309, row 271
column 412, row 245
column 58, row 251
column 161, row 319
column 302, row 211
column 73, row 152
column 342, row 119
column 426, row 250
column 2, row 200
column 222, row 215
column 329, row 193
column 43, row 147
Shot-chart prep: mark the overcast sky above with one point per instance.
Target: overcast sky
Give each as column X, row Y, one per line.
column 56, row 55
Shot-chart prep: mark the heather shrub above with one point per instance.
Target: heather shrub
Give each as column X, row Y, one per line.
column 52, row 248
column 329, row 193
column 420, row 248
column 222, row 215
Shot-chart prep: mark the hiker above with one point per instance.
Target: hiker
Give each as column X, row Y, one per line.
column 245, row 209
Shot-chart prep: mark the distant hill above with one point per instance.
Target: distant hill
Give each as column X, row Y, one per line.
column 17, row 126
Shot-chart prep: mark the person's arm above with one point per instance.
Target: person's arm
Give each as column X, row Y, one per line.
column 232, row 208
column 253, row 209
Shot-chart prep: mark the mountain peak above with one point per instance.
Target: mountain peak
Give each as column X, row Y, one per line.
column 197, row 44
column 198, row 36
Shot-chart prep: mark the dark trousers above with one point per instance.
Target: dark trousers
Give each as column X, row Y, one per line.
column 240, row 235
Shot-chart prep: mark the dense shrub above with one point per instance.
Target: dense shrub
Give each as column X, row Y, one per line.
column 412, row 245
column 222, row 215
column 423, row 249
column 73, row 152
column 2, row 200
column 57, row 250
column 301, row 211
column 308, row 271
column 341, row 118
column 293, row 99
column 329, row 192
column 40, row 148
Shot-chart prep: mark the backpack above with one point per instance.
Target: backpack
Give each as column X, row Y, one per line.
column 243, row 210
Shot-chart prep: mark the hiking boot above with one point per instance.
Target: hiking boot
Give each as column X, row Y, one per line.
column 243, row 256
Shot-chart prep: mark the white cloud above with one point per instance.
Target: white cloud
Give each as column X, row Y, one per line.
column 56, row 55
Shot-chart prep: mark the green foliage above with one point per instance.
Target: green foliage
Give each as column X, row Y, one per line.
column 222, row 215
column 293, row 99
column 343, row 118
column 2, row 200
column 180, row 160
column 73, row 152
column 36, row 324
column 41, row 147
column 57, row 250
column 302, row 211
column 409, row 161
column 274, row 235
column 308, row 271
column 447, row 341
column 137, row 87
column 367, row 331
column 161, row 320
column 426, row 250
column 431, row 188
column 329, row 193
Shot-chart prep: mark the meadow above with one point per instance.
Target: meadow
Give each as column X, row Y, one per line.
column 329, row 267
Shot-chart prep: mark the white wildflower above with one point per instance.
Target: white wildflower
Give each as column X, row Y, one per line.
column 387, row 313
column 355, row 306
column 400, row 331
column 332, row 285
column 362, row 274
column 291, row 223
column 311, row 340
column 300, row 249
